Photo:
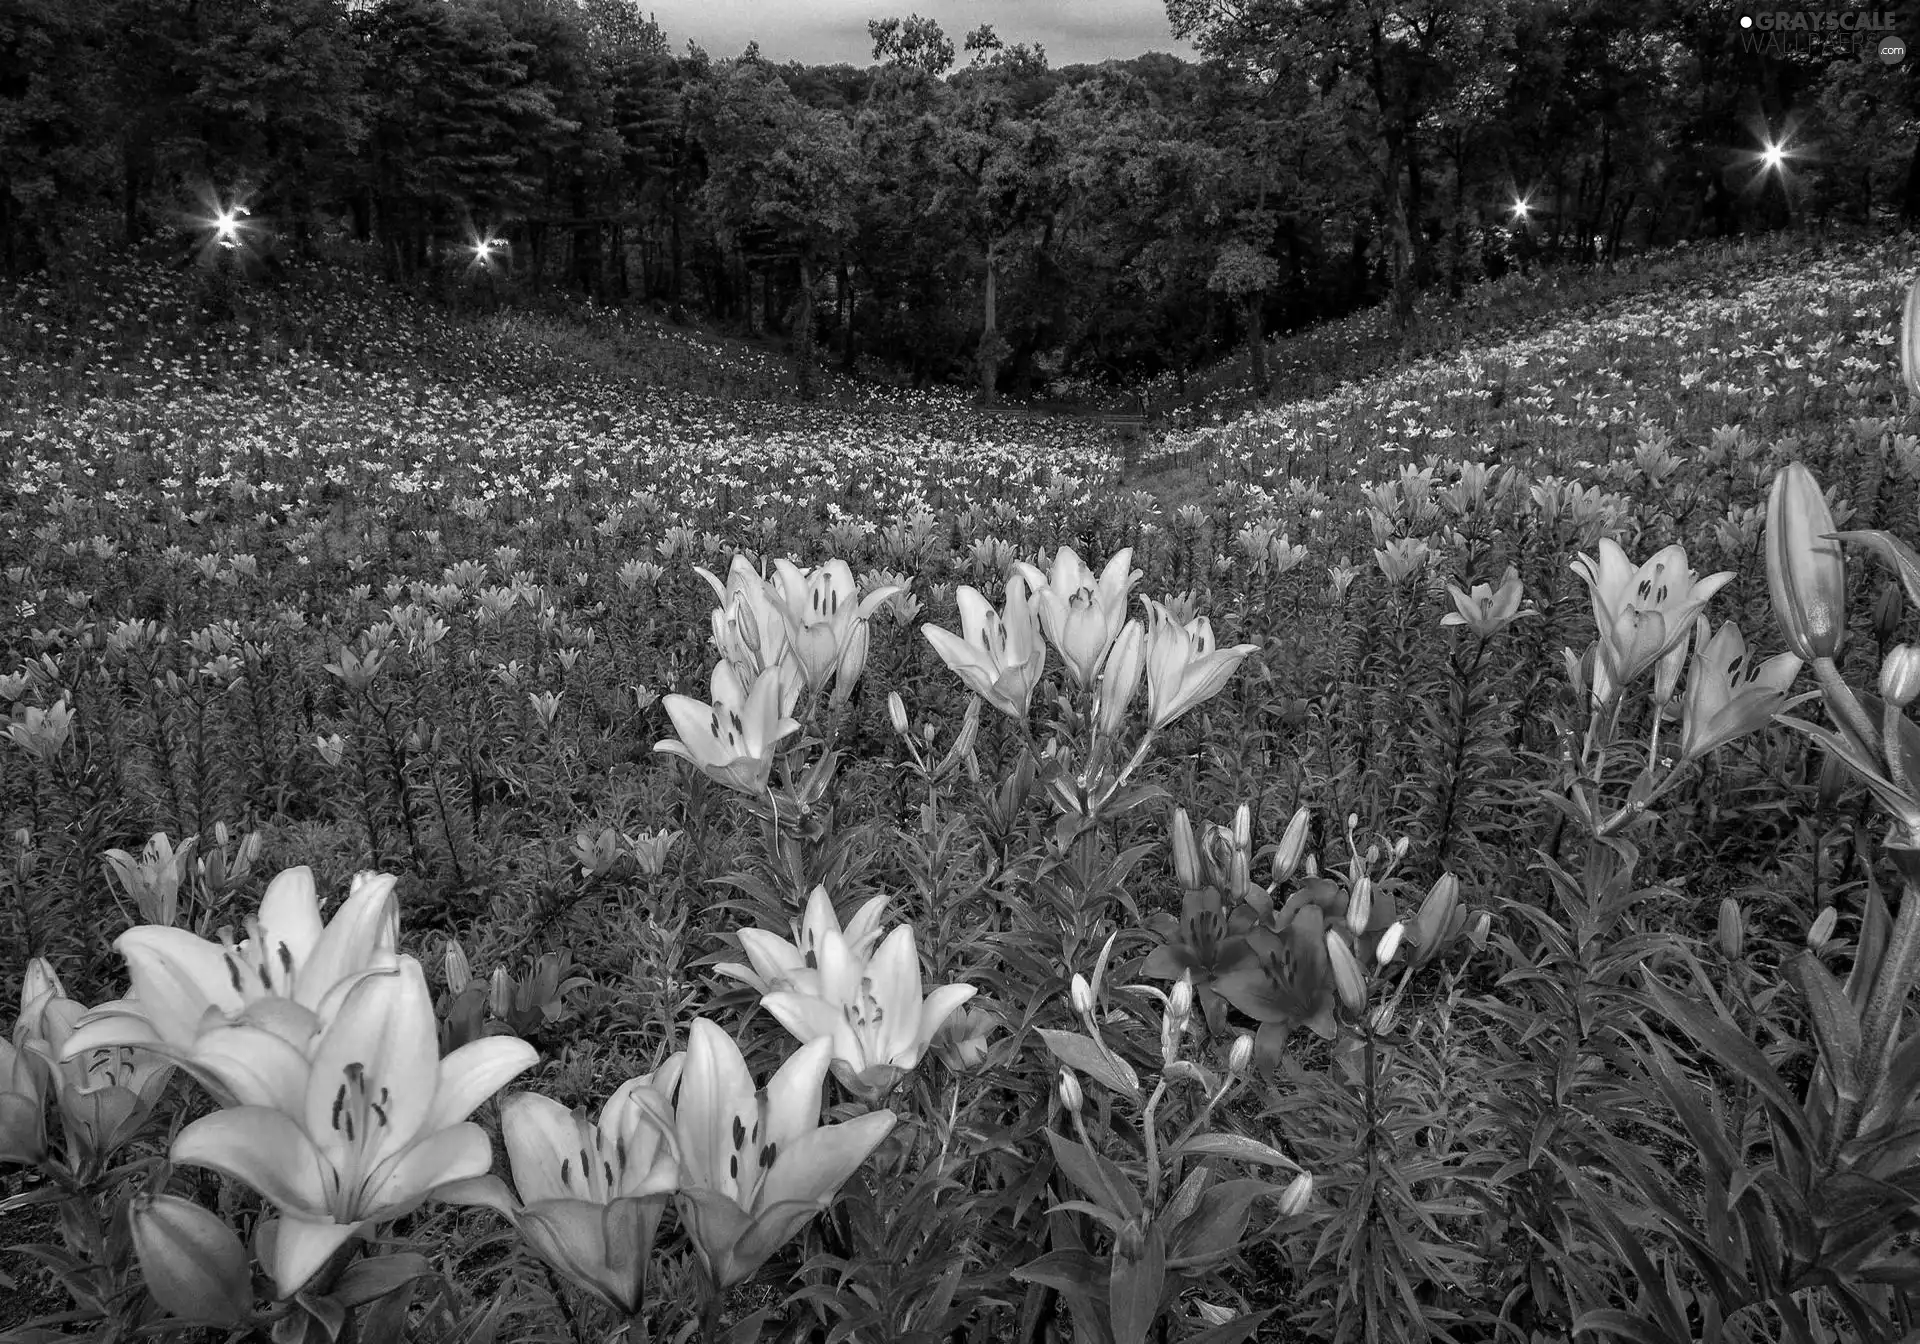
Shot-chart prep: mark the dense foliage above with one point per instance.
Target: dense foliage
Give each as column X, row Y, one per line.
column 1000, row 224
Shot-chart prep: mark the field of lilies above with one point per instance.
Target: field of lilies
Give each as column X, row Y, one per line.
column 510, row 830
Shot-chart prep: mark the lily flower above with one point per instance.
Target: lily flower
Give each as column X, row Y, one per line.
column 748, row 628
column 105, row 1095
column 1806, row 572
column 1401, row 558
column 290, row 974
column 1000, row 657
column 361, row 1132
column 1081, row 614
column 24, row 1077
column 872, row 1011
column 1184, row 668
column 153, row 879
column 1486, row 611
column 1120, row 678
column 776, row 964
column 589, row 1195
column 755, row 1165
column 826, row 620
column 1728, row 696
column 1641, row 612
column 733, row 739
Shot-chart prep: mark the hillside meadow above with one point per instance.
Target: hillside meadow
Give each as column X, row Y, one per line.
column 1408, row 863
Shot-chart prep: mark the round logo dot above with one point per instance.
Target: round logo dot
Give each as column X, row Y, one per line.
column 1746, row 20
column 1892, row 50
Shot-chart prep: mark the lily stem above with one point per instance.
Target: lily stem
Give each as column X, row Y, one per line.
column 710, row 1317
column 1843, row 704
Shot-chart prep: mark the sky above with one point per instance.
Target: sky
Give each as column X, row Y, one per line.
column 832, row 32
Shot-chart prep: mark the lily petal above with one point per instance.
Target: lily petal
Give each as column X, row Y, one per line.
column 261, row 1148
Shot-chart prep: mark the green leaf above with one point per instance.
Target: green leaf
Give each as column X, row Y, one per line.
column 1133, row 1292
column 1084, row 1054
column 1094, row 1175
column 1836, row 1026
column 1893, row 553
column 366, row 1281
column 1071, row 1272
column 1234, row 1331
column 1218, row 1222
column 1737, row 1053
column 1237, row 1146
column 1112, row 1221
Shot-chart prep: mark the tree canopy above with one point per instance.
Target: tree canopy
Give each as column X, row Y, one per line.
column 967, row 211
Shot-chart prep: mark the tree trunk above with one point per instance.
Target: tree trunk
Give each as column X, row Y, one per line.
column 1255, row 309
column 848, row 359
column 989, row 353
column 803, row 332
column 1399, row 238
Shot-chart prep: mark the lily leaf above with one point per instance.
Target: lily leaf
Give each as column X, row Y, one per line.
column 1894, row 553
column 1100, row 1180
column 1085, row 1055
column 1836, row 1025
column 1237, row 1146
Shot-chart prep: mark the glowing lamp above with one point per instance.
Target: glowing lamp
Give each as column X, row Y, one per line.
column 1520, row 209
column 1773, row 156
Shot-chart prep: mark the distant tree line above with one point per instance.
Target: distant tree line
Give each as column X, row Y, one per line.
column 970, row 214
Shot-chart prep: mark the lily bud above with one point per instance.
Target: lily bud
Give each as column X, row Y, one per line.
column 1435, row 916
column 1389, row 943
column 1360, row 905
column 1293, row 844
column 897, row 712
column 1477, row 932
column 1240, row 1056
column 1900, row 675
column 1180, row 1000
column 1082, row 995
column 1070, row 1094
column 1806, row 573
column 500, row 998
column 194, row 1265
column 1186, row 854
column 1347, row 980
column 1293, row 1200
column 1239, row 876
column 1821, row 933
column 459, row 972
column 1733, row 933
column 1242, row 827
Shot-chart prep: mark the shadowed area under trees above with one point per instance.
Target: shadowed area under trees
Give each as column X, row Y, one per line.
column 960, row 211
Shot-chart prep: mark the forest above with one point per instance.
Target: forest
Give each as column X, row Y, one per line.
column 959, row 211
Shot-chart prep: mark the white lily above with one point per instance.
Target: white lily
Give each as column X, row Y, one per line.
column 777, row 964
column 826, row 621
column 1081, row 614
column 757, row 1165
column 589, row 1195
column 290, row 975
column 106, row 1094
column 1000, row 657
column 733, row 739
column 748, row 628
column 1184, row 668
column 872, row 1011
column 359, row 1133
